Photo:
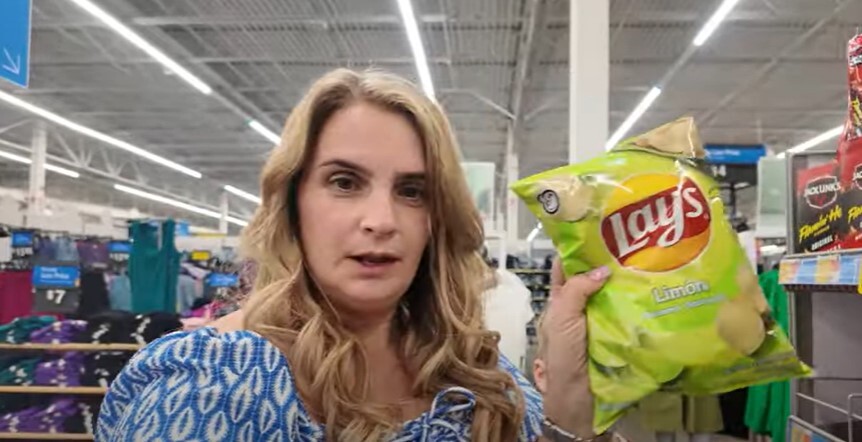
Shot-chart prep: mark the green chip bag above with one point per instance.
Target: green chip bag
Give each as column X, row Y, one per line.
column 682, row 310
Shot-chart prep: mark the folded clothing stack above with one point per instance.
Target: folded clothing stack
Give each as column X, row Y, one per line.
column 18, row 331
column 152, row 326
column 50, row 419
column 65, row 371
column 107, row 328
column 59, row 332
column 18, row 371
column 101, row 368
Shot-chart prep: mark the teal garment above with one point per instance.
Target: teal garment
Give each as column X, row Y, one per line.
column 120, row 293
column 154, row 267
column 768, row 406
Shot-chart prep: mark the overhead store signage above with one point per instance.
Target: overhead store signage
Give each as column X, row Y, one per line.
column 56, row 289
column 733, row 163
column 15, row 41
column 734, row 153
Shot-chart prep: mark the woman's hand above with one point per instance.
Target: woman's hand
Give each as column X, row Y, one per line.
column 568, row 401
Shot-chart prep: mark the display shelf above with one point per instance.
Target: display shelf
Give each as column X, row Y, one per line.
column 72, row 347
column 46, row 436
column 836, row 271
column 50, row 389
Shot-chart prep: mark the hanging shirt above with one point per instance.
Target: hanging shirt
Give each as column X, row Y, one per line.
column 507, row 311
column 120, row 293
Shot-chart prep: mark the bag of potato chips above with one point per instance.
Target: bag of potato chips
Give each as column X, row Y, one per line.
column 682, row 310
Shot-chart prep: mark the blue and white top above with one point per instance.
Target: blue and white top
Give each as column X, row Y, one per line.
column 237, row 386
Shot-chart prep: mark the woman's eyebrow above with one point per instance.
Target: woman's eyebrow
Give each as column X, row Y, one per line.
column 418, row 175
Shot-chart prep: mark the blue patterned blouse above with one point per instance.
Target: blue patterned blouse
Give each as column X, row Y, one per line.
column 206, row 386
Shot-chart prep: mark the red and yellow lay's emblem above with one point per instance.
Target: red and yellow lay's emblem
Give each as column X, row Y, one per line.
column 656, row 222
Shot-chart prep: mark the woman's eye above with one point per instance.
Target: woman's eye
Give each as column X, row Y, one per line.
column 414, row 193
column 343, row 183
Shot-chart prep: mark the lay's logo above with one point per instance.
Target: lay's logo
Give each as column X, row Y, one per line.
column 656, row 222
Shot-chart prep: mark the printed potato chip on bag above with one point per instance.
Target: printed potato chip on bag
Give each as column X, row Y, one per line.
column 682, row 310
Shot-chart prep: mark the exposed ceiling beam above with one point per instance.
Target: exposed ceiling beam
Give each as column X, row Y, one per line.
column 534, row 25
column 763, row 73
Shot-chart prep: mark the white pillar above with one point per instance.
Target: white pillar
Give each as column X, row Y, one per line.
column 222, row 222
column 36, row 193
column 512, row 203
column 589, row 69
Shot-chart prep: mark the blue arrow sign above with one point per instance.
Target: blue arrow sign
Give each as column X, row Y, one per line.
column 15, row 41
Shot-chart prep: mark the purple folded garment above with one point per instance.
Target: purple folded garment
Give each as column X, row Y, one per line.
column 44, row 419
column 65, row 371
column 58, row 332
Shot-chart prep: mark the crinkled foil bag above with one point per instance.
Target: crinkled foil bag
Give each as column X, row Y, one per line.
column 682, row 310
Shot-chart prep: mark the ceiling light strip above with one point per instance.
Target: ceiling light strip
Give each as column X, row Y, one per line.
column 819, row 139
column 24, row 160
column 178, row 204
column 243, row 194
column 712, row 24
column 415, row 40
column 92, row 133
column 144, row 45
column 630, row 121
column 261, row 129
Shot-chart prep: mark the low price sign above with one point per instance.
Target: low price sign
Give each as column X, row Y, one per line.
column 56, row 289
column 219, row 284
column 119, row 251
column 22, row 248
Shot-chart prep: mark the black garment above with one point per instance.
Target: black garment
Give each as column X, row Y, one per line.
column 101, row 368
column 94, row 294
column 733, row 413
column 108, row 327
column 84, row 420
column 149, row 327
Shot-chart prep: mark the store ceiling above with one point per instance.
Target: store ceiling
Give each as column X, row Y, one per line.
column 773, row 73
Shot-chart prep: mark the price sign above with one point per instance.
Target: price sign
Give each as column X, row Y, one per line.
column 219, row 284
column 22, row 248
column 200, row 255
column 56, row 289
column 119, row 251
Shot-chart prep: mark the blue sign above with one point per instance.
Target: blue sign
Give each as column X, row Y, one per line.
column 56, row 276
column 222, row 280
column 124, row 247
column 734, row 154
column 22, row 239
column 183, row 229
column 15, row 41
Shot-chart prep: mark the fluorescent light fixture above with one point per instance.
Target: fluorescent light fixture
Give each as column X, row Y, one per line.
column 24, row 160
column 714, row 21
column 243, row 194
column 534, row 233
column 412, row 28
column 261, row 129
column 633, row 117
column 144, row 45
column 178, row 204
column 92, row 133
column 819, row 139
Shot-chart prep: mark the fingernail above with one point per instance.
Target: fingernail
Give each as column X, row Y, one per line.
column 600, row 273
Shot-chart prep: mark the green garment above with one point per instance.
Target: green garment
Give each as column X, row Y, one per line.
column 153, row 267
column 768, row 406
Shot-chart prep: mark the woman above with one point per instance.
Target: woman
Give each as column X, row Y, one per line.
column 365, row 321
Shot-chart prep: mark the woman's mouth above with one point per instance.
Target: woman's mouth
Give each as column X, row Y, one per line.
column 375, row 260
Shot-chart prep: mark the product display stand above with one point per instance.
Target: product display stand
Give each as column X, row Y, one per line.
column 51, row 389
column 825, row 308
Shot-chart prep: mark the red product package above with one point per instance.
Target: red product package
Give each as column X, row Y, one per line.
column 818, row 214
column 850, row 149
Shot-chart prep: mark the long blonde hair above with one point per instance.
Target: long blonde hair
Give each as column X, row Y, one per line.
column 440, row 328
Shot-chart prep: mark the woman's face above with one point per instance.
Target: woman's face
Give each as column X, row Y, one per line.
column 362, row 208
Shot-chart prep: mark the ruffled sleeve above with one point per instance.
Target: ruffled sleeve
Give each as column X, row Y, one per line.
column 202, row 385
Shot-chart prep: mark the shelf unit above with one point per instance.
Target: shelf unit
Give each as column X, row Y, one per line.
column 46, row 436
column 71, row 347
column 51, row 389
column 825, row 307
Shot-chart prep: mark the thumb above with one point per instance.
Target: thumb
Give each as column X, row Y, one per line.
column 571, row 295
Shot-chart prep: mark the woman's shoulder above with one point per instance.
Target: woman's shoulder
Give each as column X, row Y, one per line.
column 533, row 405
column 198, row 381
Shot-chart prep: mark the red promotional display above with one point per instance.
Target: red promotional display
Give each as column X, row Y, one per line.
column 818, row 211
column 850, row 149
